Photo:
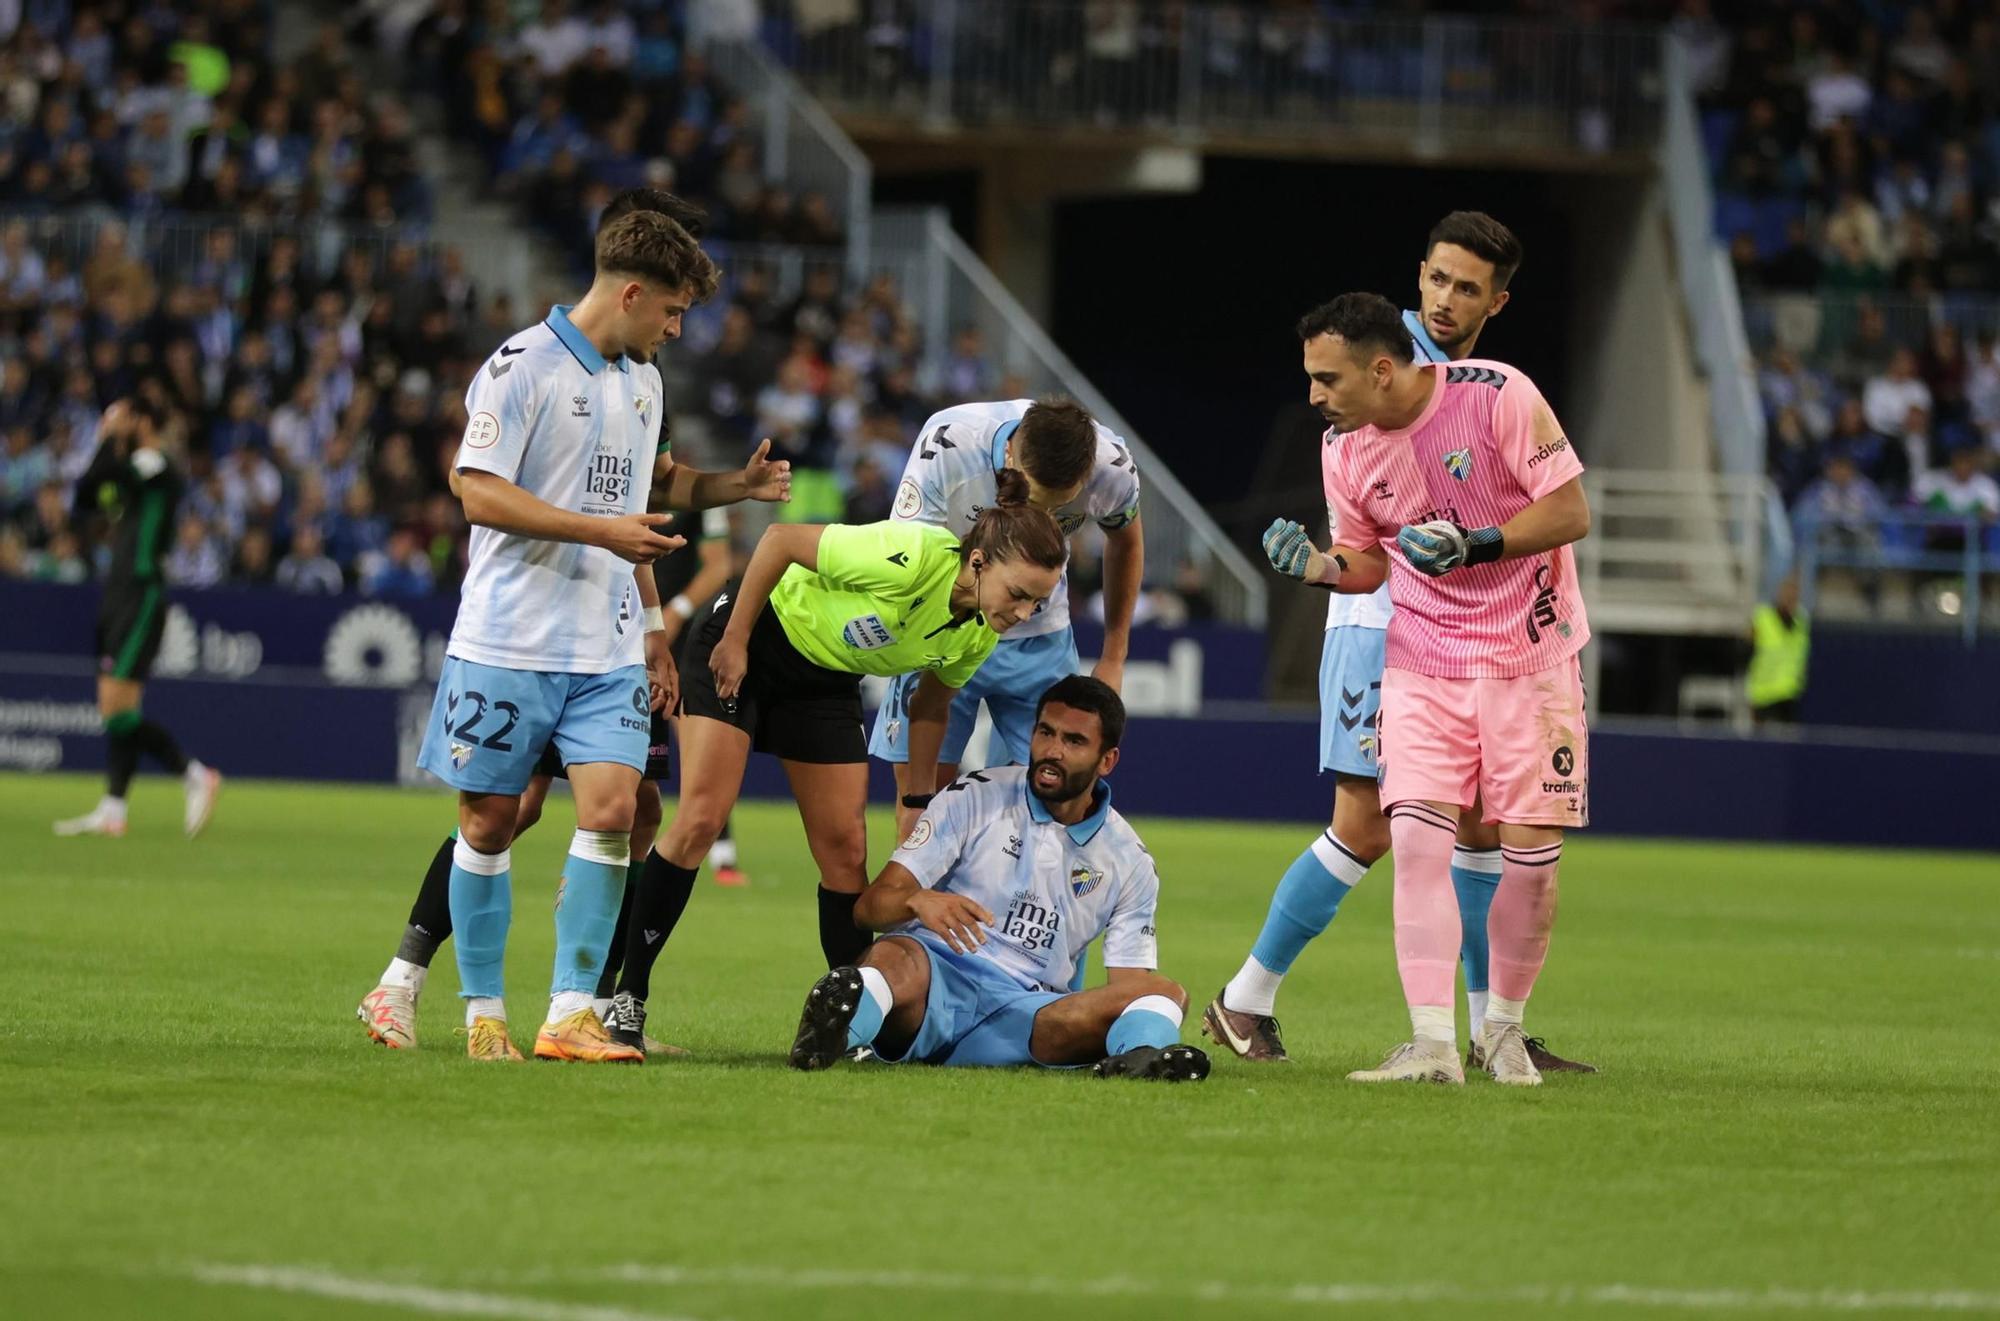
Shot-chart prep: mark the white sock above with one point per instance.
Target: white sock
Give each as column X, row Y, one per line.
column 601, row 1006
column 877, row 986
column 1253, row 990
column 1486, row 862
column 1475, row 1011
column 1501, row 1011
column 484, row 1006
column 564, row 1003
column 114, row 807
column 1434, row 1023
column 722, row 853
column 195, row 769
column 401, row 972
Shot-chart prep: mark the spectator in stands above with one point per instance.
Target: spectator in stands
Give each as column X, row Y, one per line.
column 1794, row 454
column 197, row 559
column 401, row 567
column 1982, row 388
column 1961, row 490
column 306, row 568
column 1843, row 508
column 1888, row 398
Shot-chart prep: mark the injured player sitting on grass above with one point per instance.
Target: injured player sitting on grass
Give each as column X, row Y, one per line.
column 989, row 902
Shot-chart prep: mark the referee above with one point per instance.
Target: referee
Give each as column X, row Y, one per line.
column 131, row 479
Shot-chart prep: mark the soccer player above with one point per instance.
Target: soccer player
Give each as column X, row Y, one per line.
column 1041, row 846
column 563, row 428
column 131, row 476
column 776, row 667
column 389, row 1010
column 1462, row 283
column 1465, row 470
column 1077, row 471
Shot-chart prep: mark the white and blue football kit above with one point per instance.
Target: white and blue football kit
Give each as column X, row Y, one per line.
column 1355, row 650
column 1052, row 889
column 949, row 481
column 547, row 646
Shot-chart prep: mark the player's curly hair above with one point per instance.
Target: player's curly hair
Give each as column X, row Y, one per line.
column 686, row 214
column 1366, row 321
column 1056, row 443
column 1013, row 529
column 650, row 246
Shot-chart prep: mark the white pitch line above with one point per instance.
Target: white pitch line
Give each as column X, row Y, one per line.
column 514, row 1307
column 1320, row 1294
column 415, row 1297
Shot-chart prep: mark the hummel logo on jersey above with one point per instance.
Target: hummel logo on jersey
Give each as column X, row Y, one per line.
column 1381, row 491
column 900, row 559
column 506, row 352
column 582, row 403
column 497, row 369
column 652, row 937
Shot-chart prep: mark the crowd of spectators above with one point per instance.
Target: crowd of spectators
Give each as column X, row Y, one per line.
column 572, row 102
column 1855, row 150
column 241, row 238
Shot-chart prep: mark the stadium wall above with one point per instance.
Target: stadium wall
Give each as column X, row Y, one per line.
column 265, row 684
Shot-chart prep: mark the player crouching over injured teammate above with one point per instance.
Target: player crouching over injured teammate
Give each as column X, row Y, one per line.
column 1041, row 846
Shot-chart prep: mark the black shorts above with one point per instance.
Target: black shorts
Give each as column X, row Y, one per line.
column 659, row 755
column 789, row 706
column 130, row 623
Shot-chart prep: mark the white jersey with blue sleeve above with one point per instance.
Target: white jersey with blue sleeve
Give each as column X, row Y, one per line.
column 1372, row 609
column 949, row 481
column 549, row 414
column 1052, row 889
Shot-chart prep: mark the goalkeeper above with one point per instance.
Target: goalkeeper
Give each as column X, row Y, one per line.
column 1464, row 470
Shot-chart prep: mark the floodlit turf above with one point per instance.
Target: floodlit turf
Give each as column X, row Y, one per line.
column 1798, row 1111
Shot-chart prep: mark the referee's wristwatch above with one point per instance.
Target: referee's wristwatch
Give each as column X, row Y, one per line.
column 918, row 801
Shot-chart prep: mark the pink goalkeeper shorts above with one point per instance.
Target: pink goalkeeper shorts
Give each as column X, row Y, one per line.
column 1519, row 746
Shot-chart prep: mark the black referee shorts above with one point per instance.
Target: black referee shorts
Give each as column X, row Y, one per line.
column 788, row 705
column 131, row 620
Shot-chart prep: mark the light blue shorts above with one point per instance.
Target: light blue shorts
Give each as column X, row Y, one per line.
column 488, row 725
column 1011, row 683
column 1350, row 699
column 976, row 1015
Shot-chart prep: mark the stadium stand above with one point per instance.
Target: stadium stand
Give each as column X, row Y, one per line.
column 1856, row 168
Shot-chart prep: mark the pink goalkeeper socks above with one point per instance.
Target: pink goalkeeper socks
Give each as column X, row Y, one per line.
column 1427, row 932
column 1523, row 914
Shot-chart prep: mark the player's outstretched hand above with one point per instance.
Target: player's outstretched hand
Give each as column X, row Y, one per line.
column 765, row 478
column 952, row 916
column 729, row 662
column 1291, row 551
column 635, row 537
column 1439, row 546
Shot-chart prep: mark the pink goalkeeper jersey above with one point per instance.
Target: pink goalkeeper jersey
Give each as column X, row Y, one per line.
column 1485, row 447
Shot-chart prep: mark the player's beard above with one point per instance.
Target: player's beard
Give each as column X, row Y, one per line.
column 1461, row 334
column 1071, row 786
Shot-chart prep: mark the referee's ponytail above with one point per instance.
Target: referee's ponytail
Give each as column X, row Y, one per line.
column 1013, row 529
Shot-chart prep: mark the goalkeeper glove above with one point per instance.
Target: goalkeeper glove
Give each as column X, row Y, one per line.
column 1438, row 547
column 1292, row 553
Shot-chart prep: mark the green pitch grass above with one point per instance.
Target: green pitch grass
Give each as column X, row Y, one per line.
column 1799, row 1110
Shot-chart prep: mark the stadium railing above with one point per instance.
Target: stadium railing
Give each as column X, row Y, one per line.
column 1679, row 551
column 1709, row 296
column 1428, row 83
column 1821, row 325
column 956, row 290
column 1912, row 542
column 803, row 148
column 949, row 289
column 179, row 242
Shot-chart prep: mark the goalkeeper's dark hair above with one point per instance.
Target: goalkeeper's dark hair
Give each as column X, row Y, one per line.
column 1082, row 692
column 1056, row 443
column 686, row 214
column 1369, row 323
column 1483, row 237
column 1013, row 529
